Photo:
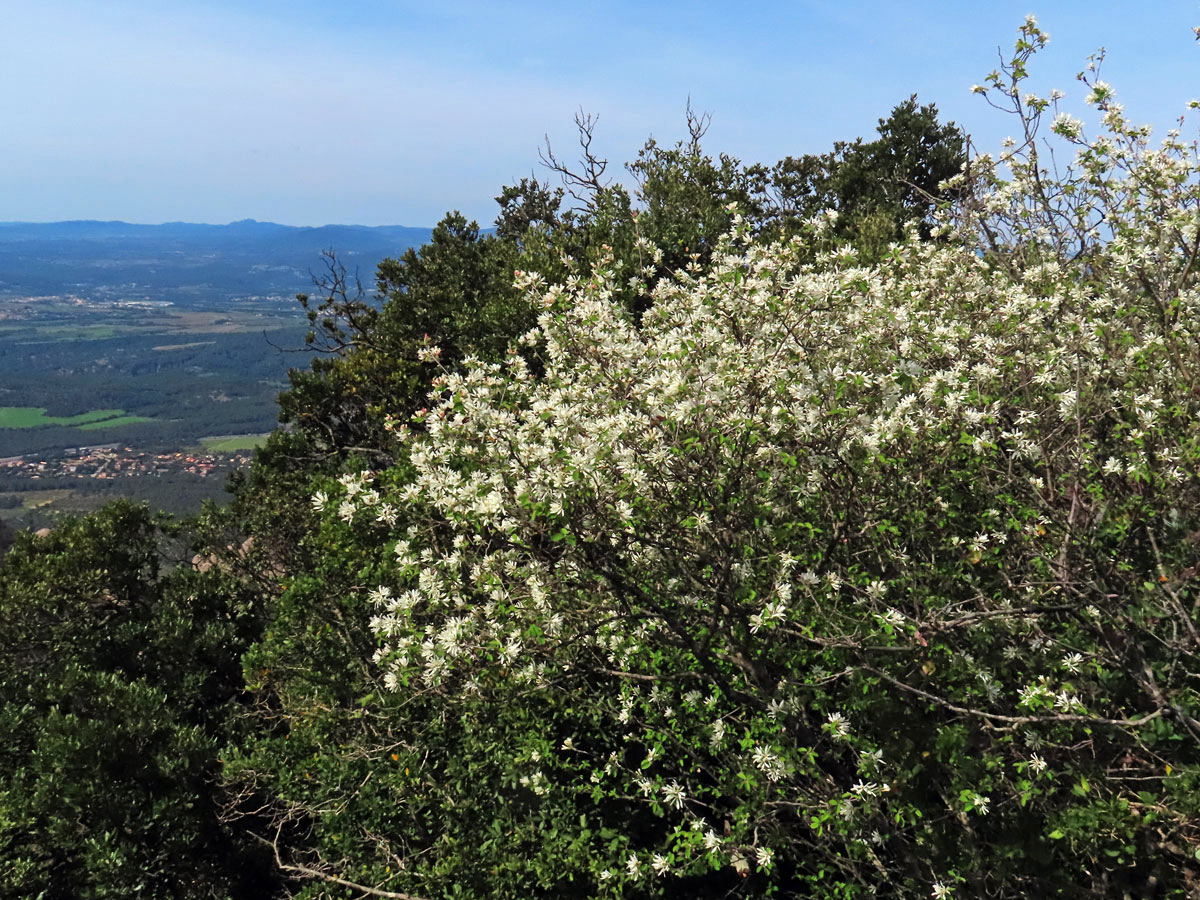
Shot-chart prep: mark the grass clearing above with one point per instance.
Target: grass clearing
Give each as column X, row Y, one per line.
column 110, row 423
column 42, row 499
column 229, row 443
column 187, row 346
column 39, row 334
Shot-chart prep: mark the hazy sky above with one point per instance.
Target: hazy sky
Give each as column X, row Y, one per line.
column 391, row 112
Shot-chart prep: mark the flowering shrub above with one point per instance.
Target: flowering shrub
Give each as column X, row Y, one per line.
column 844, row 579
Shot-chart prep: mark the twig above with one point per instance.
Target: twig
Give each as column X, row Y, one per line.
column 308, row 872
column 1017, row 720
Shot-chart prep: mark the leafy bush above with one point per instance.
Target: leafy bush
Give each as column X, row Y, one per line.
column 116, row 683
column 821, row 577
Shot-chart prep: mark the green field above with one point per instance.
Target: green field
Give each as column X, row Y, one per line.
column 230, row 443
column 35, row 417
column 74, row 332
column 119, row 420
column 41, row 499
column 36, row 334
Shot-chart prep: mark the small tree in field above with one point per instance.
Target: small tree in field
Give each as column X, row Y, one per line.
column 823, row 578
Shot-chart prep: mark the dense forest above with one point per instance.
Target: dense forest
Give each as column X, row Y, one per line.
column 822, row 529
column 227, row 384
column 208, row 384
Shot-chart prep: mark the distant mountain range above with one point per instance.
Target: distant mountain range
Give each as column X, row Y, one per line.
column 183, row 262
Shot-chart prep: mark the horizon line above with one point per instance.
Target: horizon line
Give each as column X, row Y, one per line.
column 248, row 221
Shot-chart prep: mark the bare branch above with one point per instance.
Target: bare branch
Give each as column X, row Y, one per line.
column 586, row 183
column 697, row 125
column 309, row 872
column 1016, row 720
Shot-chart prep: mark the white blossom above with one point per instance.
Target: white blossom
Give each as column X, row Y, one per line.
column 837, row 726
column 633, row 865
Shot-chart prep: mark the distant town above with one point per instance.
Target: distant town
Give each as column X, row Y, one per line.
column 114, row 461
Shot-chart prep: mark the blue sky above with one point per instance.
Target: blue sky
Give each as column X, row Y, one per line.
column 391, row 112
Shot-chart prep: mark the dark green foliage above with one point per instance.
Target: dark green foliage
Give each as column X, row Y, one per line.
column 382, row 781
column 115, row 688
column 454, row 292
column 6, row 537
column 877, row 187
column 686, row 196
column 526, row 206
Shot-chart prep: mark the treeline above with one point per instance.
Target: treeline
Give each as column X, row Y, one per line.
column 820, row 529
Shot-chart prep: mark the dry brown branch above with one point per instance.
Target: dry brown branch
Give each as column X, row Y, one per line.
column 309, row 872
